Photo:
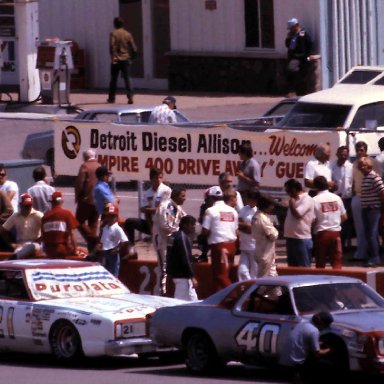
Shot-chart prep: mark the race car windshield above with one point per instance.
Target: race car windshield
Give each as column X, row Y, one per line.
column 334, row 297
column 314, row 115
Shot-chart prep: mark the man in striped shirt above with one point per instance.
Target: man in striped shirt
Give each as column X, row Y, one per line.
column 372, row 197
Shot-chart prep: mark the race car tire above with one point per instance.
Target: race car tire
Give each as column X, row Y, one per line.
column 65, row 341
column 201, row 355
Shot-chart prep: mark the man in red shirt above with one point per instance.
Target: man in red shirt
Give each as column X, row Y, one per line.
column 57, row 227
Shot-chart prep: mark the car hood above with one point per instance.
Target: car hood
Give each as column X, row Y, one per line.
column 367, row 320
column 129, row 305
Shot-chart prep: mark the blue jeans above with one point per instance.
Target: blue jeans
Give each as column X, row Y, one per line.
column 361, row 252
column 299, row 252
column 371, row 218
column 112, row 263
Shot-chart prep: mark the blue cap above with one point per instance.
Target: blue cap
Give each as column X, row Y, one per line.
column 291, row 23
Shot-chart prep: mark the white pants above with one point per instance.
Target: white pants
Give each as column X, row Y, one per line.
column 247, row 268
column 184, row 290
column 27, row 250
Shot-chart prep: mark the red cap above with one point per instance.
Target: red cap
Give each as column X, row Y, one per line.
column 111, row 209
column 26, row 199
column 56, row 196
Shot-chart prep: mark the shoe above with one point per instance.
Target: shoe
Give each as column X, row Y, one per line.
column 130, row 99
column 110, row 101
column 371, row 265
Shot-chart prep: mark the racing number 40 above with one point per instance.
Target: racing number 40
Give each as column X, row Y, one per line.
column 259, row 338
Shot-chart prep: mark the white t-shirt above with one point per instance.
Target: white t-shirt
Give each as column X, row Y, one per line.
column 11, row 186
column 153, row 198
column 300, row 228
column 315, row 168
column 328, row 210
column 247, row 241
column 112, row 236
column 342, row 176
column 222, row 221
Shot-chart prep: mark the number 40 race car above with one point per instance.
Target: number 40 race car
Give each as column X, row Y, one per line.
column 250, row 321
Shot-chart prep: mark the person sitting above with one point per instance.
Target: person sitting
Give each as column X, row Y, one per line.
column 21, row 232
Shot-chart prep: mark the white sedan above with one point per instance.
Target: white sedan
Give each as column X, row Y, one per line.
column 71, row 309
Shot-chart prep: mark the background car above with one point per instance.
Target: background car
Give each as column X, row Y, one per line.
column 250, row 322
column 70, row 309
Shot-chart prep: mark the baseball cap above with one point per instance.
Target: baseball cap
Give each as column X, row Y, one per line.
column 292, row 22
column 26, row 199
column 170, row 99
column 56, row 196
column 111, row 209
column 214, row 191
column 102, row 171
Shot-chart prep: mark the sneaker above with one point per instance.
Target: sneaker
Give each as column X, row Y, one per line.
column 110, row 101
column 130, row 99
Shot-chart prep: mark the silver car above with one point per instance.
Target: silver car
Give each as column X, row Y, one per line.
column 250, row 321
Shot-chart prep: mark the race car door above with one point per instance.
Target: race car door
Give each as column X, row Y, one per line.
column 270, row 318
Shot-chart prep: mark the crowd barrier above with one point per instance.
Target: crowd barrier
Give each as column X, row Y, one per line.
column 143, row 276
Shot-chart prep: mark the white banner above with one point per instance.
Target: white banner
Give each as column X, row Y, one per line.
column 186, row 155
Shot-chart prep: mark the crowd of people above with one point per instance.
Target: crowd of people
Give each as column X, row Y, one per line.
column 337, row 201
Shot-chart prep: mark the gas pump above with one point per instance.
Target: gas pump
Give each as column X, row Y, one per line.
column 55, row 63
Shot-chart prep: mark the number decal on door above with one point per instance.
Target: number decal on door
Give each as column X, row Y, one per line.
column 259, row 338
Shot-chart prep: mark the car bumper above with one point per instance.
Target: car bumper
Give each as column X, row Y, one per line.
column 130, row 346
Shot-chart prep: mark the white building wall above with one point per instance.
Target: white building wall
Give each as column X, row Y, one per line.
column 194, row 28
column 88, row 22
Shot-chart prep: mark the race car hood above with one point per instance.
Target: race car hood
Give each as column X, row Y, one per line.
column 365, row 321
column 117, row 306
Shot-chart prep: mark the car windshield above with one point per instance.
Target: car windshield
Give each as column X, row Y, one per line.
column 58, row 283
column 334, row 297
column 307, row 115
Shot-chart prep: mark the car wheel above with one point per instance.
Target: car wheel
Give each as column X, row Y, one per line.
column 65, row 341
column 201, row 355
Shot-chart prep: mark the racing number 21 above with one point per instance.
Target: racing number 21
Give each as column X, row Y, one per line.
column 263, row 340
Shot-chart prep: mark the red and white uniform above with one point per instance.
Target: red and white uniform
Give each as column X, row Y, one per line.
column 221, row 221
column 56, row 227
column 327, row 242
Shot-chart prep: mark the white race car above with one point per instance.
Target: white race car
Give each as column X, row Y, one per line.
column 70, row 309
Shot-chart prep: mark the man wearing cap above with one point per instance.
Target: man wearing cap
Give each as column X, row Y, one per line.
column 219, row 225
column 113, row 240
column 164, row 114
column 299, row 46
column 86, row 213
column 22, row 230
column 102, row 193
column 58, row 227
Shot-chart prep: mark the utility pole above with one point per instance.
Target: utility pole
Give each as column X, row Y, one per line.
column 27, row 37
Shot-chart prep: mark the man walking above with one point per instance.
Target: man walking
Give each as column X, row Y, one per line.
column 123, row 49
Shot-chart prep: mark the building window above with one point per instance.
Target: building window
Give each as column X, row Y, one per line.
column 259, row 25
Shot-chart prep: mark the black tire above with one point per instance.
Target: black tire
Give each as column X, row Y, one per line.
column 65, row 342
column 201, row 355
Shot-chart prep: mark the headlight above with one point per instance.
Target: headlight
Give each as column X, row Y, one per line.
column 380, row 345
